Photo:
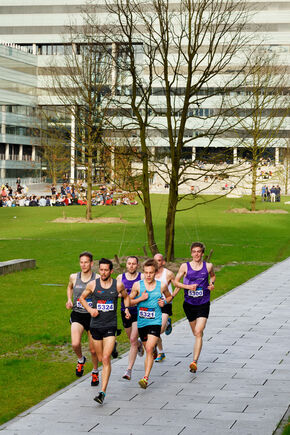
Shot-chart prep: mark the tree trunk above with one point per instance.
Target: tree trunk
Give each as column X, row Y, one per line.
column 147, row 205
column 89, row 187
column 171, row 212
column 254, row 185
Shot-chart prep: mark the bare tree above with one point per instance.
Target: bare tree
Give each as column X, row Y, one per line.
column 177, row 61
column 81, row 83
column 262, row 111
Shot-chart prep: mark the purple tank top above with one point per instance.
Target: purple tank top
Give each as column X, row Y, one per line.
column 128, row 284
column 200, row 277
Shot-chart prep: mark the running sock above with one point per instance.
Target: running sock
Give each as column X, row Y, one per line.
column 161, row 350
column 81, row 360
column 95, row 371
column 103, row 393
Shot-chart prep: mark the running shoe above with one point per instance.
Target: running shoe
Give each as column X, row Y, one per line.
column 140, row 348
column 155, row 353
column 193, row 367
column 168, row 329
column 100, row 398
column 80, row 368
column 127, row 375
column 160, row 357
column 95, row 379
column 143, row 383
column 115, row 353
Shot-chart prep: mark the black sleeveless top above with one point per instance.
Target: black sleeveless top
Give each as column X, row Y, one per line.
column 105, row 301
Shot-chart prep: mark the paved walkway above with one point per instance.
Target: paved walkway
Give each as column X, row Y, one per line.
column 242, row 385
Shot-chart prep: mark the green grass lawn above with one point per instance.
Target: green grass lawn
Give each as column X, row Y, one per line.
column 35, row 358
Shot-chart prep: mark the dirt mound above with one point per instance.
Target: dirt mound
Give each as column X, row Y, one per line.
column 78, row 220
column 246, row 211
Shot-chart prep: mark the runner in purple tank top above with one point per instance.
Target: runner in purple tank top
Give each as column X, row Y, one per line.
column 197, row 288
column 128, row 279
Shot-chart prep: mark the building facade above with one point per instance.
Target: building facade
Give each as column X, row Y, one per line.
column 39, row 27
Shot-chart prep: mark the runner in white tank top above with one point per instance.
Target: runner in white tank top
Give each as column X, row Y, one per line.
column 167, row 277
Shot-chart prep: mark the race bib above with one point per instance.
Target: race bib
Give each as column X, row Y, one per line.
column 147, row 313
column 105, row 307
column 196, row 293
column 89, row 301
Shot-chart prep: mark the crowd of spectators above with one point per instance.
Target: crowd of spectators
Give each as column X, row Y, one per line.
column 67, row 194
column 271, row 194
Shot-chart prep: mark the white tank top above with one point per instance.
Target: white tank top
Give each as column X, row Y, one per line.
column 164, row 280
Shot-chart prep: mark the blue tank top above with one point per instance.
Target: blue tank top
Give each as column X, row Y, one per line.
column 200, row 277
column 149, row 312
column 128, row 284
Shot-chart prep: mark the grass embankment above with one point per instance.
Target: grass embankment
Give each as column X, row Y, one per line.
column 36, row 359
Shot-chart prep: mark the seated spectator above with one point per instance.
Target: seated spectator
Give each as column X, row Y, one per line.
column 42, row 202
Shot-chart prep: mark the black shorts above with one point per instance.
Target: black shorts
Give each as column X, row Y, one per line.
column 100, row 333
column 167, row 309
column 127, row 323
column 192, row 312
column 149, row 329
column 83, row 318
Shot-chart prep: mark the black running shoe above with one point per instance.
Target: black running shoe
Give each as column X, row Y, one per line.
column 100, row 398
column 80, row 368
column 95, row 379
column 115, row 353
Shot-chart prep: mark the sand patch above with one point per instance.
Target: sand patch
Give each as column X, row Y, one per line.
column 246, row 211
column 79, row 220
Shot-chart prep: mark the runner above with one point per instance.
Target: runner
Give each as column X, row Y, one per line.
column 147, row 295
column 80, row 318
column 104, row 293
column 197, row 290
column 128, row 279
column 166, row 276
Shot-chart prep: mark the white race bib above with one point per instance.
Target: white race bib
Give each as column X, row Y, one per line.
column 196, row 293
column 105, row 307
column 147, row 313
column 89, row 301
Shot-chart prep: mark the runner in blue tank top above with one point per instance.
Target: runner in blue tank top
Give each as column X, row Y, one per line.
column 197, row 288
column 128, row 279
column 147, row 295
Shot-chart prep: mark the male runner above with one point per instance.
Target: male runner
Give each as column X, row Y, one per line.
column 128, row 279
column 197, row 290
column 166, row 276
column 80, row 318
column 104, row 292
column 147, row 295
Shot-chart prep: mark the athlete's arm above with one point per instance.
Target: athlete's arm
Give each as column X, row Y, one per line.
column 119, row 279
column 211, row 272
column 122, row 292
column 178, row 285
column 134, row 300
column 69, row 291
column 167, row 294
column 89, row 290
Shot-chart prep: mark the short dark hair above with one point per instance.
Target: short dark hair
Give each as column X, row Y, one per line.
column 86, row 254
column 197, row 245
column 151, row 262
column 106, row 261
column 133, row 256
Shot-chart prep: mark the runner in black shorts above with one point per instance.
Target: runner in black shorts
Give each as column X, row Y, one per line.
column 104, row 293
column 198, row 281
column 128, row 279
column 167, row 277
column 80, row 319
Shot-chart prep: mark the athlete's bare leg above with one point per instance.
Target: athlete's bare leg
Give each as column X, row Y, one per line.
column 163, row 327
column 132, row 334
column 149, row 347
column 76, row 336
column 93, row 351
column 104, row 349
column 197, row 327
